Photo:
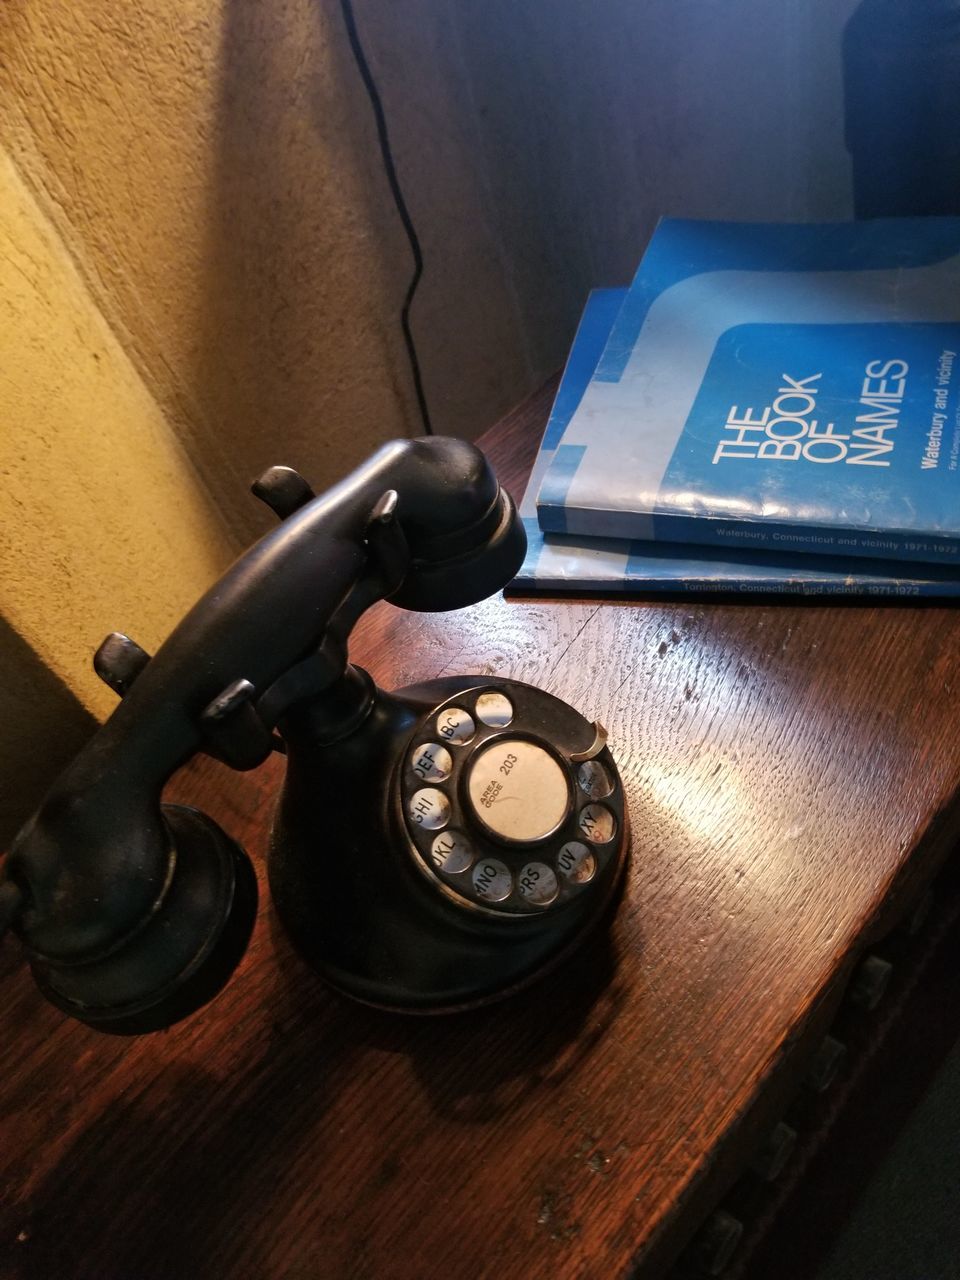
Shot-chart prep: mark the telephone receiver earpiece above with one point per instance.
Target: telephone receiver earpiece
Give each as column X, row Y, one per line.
column 451, row 540
column 134, row 913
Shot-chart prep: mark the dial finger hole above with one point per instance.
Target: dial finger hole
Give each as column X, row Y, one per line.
column 597, row 823
column 538, row 884
column 576, row 863
column 492, row 880
column 455, row 726
column 432, row 763
column 429, row 808
column 594, row 780
column 494, row 709
column 451, row 852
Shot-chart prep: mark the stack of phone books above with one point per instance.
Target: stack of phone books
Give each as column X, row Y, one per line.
column 767, row 409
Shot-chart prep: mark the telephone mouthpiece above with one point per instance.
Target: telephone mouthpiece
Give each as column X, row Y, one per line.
column 182, row 956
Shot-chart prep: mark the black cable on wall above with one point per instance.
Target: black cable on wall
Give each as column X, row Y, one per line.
column 386, row 153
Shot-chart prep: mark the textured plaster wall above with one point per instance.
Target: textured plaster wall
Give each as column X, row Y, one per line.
column 103, row 524
column 212, row 167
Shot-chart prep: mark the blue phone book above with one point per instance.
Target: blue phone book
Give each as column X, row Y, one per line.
column 562, row 563
column 782, row 387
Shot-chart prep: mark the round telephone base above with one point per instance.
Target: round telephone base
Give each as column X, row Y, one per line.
column 403, row 885
column 432, row 1001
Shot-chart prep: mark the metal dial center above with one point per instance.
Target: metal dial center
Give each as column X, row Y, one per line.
column 517, row 790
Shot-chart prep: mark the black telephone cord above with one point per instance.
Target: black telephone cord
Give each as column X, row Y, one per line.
column 386, row 153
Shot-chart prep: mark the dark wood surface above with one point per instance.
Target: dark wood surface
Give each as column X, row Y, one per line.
column 791, row 772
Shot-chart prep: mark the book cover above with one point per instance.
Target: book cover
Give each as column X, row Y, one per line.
column 601, row 565
column 783, row 387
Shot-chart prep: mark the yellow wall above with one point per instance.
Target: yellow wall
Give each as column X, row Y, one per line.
column 193, row 158
column 212, row 167
column 103, row 522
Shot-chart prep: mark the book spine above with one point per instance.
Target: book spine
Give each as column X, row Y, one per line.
column 637, row 585
column 777, row 536
column 767, row 535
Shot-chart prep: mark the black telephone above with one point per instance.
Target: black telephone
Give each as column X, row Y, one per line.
column 433, row 848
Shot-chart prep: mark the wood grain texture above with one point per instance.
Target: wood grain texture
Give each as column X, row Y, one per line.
column 791, row 772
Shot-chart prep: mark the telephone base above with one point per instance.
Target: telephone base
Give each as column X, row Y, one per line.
column 433, row 1002
column 463, row 858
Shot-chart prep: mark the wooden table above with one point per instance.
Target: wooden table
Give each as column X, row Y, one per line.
column 791, row 771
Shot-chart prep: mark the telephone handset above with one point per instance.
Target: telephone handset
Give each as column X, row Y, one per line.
column 433, row 848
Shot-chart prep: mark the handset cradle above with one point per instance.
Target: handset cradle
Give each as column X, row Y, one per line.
column 433, row 847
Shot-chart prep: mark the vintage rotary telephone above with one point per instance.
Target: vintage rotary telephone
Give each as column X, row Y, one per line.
column 434, row 847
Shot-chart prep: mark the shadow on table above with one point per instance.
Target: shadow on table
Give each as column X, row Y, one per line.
column 174, row 1175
